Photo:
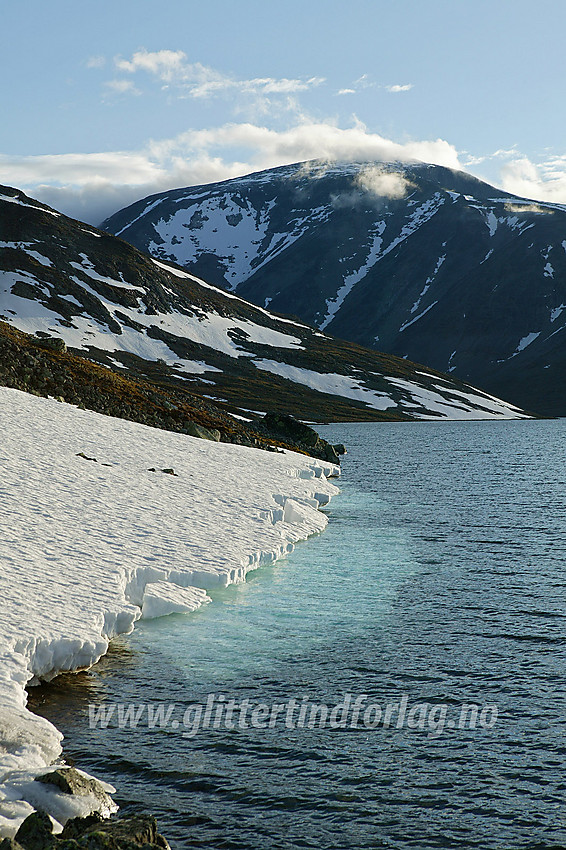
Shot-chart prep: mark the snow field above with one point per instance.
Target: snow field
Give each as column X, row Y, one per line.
column 89, row 546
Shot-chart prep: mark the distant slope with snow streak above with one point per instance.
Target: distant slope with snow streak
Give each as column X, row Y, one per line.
column 86, row 547
column 142, row 316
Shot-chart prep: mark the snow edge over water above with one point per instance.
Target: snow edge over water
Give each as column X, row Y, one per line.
column 94, row 533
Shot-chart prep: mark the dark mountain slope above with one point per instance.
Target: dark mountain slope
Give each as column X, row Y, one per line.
column 413, row 259
column 151, row 321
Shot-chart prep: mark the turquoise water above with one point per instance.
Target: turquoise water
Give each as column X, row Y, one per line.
column 441, row 579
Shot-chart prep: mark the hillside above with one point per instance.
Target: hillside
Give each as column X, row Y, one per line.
column 148, row 320
column 413, row 259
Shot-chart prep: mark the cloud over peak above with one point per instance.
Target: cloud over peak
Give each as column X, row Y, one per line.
column 92, row 186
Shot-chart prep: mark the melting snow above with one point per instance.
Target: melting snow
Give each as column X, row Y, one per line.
column 428, row 283
column 25, row 247
column 416, row 319
column 332, row 383
column 86, row 548
column 232, row 229
column 179, row 273
column 145, row 210
column 334, row 304
column 11, row 200
column 525, row 341
column 491, row 221
column 466, row 405
column 87, row 268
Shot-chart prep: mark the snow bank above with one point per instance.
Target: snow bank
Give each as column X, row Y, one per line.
column 90, row 542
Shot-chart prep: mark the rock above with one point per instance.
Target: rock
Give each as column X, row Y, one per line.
column 36, row 832
column 340, row 449
column 129, row 832
column 75, row 827
column 194, row 430
column 55, row 343
column 70, row 781
column 290, row 429
column 330, row 454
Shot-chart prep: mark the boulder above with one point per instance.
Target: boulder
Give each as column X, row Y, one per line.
column 36, row 832
column 55, row 343
column 194, row 430
column 330, row 454
column 290, row 429
column 71, row 781
column 128, row 832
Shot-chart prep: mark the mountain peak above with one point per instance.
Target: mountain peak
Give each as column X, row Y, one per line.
column 417, row 260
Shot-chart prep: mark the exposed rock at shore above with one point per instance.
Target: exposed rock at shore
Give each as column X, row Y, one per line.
column 289, row 430
column 129, row 833
column 68, row 780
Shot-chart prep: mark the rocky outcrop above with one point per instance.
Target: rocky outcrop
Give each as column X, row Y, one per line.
column 68, row 780
column 90, row 833
column 289, row 430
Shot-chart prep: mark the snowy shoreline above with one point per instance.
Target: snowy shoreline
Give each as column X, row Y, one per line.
column 96, row 534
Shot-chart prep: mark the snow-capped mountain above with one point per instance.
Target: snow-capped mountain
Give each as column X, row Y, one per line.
column 143, row 317
column 413, row 259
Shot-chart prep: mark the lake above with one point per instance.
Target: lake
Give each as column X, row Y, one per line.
column 434, row 602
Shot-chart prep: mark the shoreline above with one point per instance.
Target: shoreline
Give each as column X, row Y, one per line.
column 121, row 540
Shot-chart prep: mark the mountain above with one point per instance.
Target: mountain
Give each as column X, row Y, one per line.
column 151, row 321
column 416, row 260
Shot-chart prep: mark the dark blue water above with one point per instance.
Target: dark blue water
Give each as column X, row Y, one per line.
column 441, row 579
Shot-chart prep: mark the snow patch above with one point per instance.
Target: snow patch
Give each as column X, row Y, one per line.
column 334, row 304
column 405, row 325
column 11, row 200
column 454, row 404
column 331, row 383
column 525, row 341
column 491, row 221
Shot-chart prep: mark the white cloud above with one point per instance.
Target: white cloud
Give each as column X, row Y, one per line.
column 543, row 182
column 364, row 82
column 346, row 91
column 381, row 183
column 122, row 87
column 96, row 62
column 165, row 64
column 397, row 88
column 92, row 186
column 311, row 140
column 200, row 81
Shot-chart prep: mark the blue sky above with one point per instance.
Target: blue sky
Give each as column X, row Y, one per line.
column 106, row 102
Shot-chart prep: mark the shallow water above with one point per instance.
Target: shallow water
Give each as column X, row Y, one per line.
column 441, row 578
